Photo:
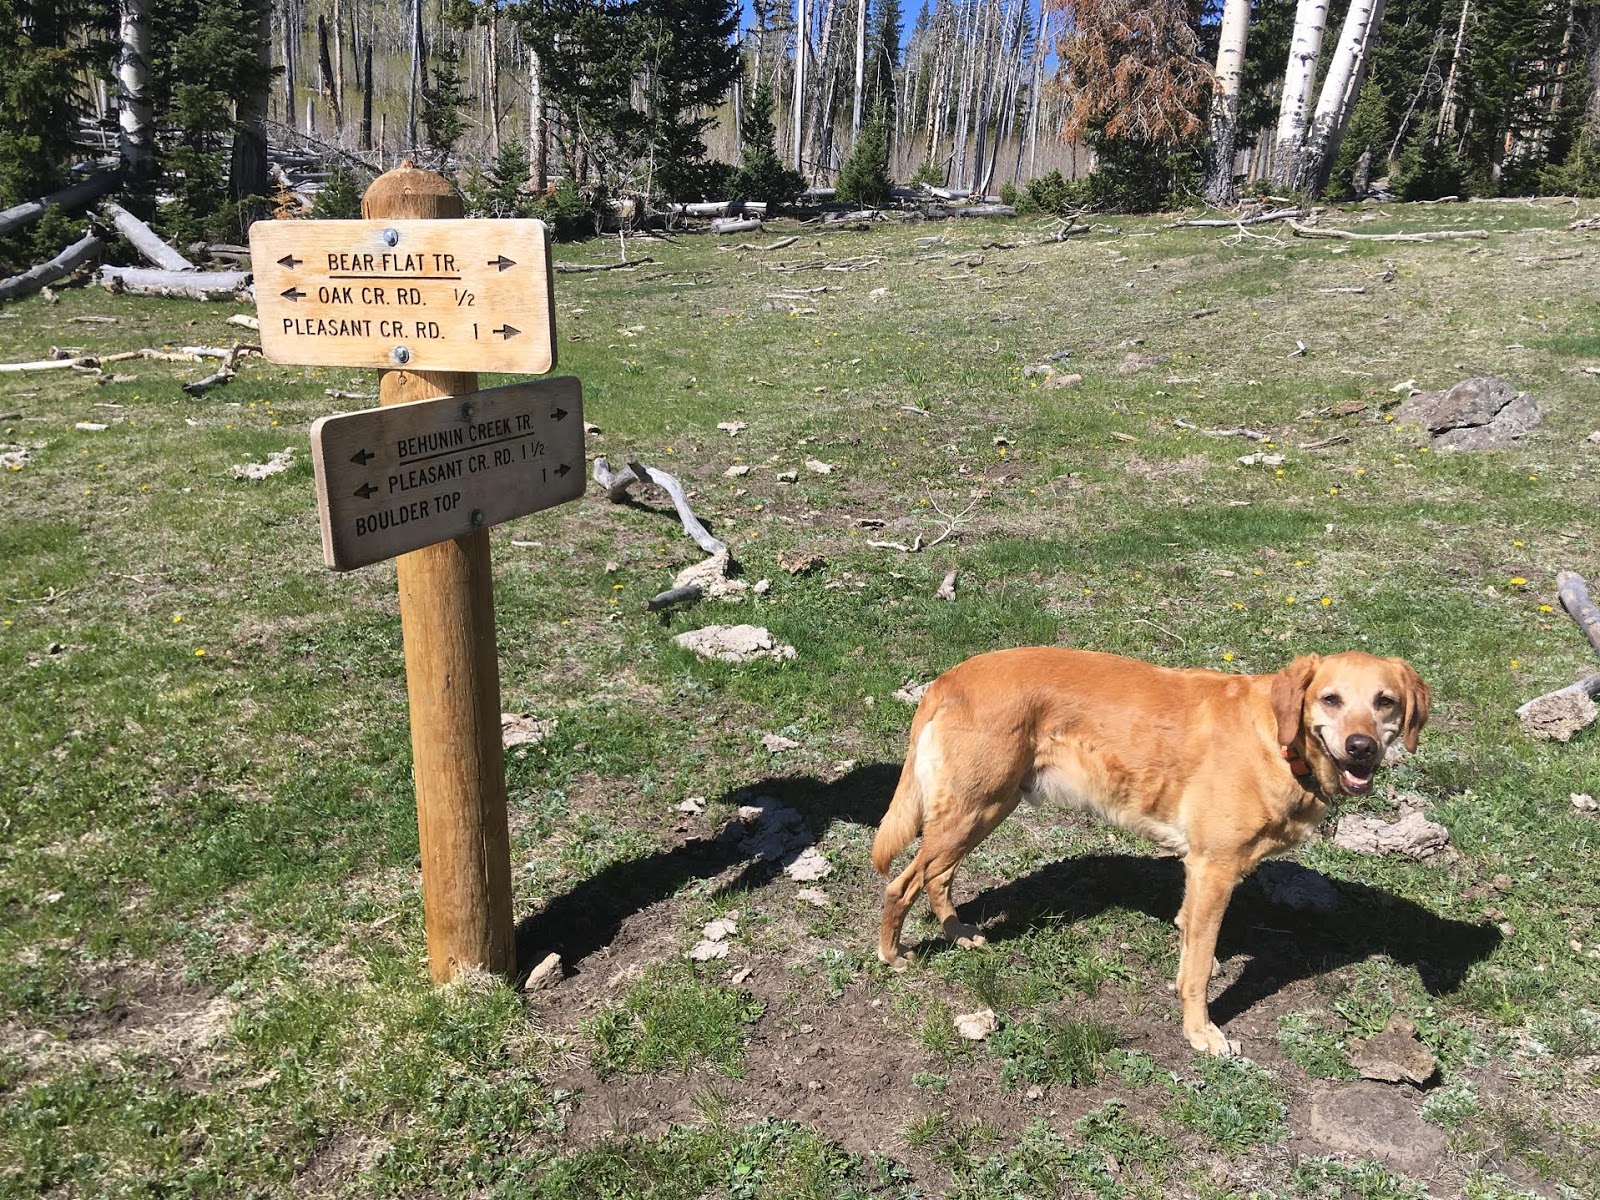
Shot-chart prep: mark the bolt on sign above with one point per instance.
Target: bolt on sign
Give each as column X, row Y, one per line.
column 394, row 479
column 417, row 294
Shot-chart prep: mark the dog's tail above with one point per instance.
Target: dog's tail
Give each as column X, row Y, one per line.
column 903, row 822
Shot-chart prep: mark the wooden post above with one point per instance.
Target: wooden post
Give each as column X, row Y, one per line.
column 452, row 682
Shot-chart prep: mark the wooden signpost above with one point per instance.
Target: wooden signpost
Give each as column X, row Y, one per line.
column 426, row 474
column 467, row 296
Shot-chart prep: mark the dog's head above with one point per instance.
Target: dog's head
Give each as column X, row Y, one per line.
column 1347, row 710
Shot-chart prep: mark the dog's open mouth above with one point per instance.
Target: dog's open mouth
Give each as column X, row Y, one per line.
column 1356, row 780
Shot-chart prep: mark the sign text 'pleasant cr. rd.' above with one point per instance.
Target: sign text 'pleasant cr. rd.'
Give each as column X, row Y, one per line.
column 397, row 478
column 414, row 294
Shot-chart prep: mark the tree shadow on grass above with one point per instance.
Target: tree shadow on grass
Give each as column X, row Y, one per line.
column 589, row 917
column 1284, row 946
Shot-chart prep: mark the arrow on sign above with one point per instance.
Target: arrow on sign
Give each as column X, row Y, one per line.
column 506, row 332
column 558, row 414
column 292, row 294
column 563, row 469
column 365, row 491
column 502, row 262
column 363, row 456
column 290, row 261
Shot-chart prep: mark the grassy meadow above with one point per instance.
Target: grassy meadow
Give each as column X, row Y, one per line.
column 212, row 967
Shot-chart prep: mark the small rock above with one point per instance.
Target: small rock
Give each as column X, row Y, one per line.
column 761, row 587
column 877, row 293
column 708, row 950
column 694, row 804
column 1584, row 802
column 1042, row 370
column 732, row 428
column 276, row 464
column 788, row 476
column 1559, row 715
column 1594, row 437
column 977, row 1026
column 1394, row 1056
column 809, row 866
column 736, row 470
column 813, row 896
column 911, row 693
column 1348, row 409
column 91, row 426
column 1266, row 460
column 523, row 729
column 798, row 562
column 1034, row 1093
column 1485, row 413
column 710, row 575
column 546, row 975
column 1374, row 1121
column 777, row 743
column 721, row 929
column 735, row 643
column 1412, row 835
column 1294, row 886
column 740, row 976
column 1063, row 381
column 817, row 467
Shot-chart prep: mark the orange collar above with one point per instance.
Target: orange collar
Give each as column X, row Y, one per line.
column 1297, row 765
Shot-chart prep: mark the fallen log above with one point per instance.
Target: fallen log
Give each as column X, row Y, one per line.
column 586, row 268
column 672, row 596
column 59, row 267
column 735, row 225
column 780, row 244
column 617, row 483
column 1437, row 235
column 190, row 285
column 1574, row 594
column 144, row 239
column 987, row 210
column 72, row 199
column 1284, row 214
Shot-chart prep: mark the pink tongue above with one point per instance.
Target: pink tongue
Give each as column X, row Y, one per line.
column 1356, row 783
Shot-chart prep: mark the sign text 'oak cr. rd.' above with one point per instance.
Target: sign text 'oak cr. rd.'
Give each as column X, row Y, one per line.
column 397, row 478
column 411, row 294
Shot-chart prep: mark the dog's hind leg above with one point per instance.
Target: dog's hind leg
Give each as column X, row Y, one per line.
column 949, row 848
column 897, row 898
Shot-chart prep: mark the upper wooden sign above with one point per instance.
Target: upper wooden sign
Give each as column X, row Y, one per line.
column 423, row 295
column 404, row 476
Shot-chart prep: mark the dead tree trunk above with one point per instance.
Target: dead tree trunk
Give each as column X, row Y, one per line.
column 74, row 199
column 366, row 99
column 59, row 267
column 247, row 165
column 144, row 240
column 325, row 70
column 136, row 144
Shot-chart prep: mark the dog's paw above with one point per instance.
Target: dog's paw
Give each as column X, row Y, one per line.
column 1211, row 1040
column 899, row 960
column 965, row 936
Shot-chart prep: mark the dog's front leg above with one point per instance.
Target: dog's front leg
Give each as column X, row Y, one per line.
column 1207, row 886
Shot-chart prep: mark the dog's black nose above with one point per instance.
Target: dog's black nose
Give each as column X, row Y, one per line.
column 1361, row 747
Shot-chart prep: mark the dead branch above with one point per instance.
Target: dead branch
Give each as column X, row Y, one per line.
column 1574, row 594
column 947, row 589
column 780, row 244
column 72, row 199
column 587, row 268
column 1283, row 214
column 224, row 373
column 1535, row 260
column 735, row 225
column 1337, row 439
column 1343, row 291
column 952, row 524
column 861, row 262
column 338, row 394
column 1254, row 435
column 674, row 596
column 244, row 320
column 1585, row 223
column 1437, row 235
column 190, row 285
column 59, row 267
column 617, row 483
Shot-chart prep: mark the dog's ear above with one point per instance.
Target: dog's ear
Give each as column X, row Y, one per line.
column 1418, row 701
column 1289, row 696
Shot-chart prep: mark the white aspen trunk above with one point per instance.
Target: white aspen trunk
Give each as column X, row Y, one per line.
column 1337, row 98
column 1447, row 104
column 491, row 76
column 538, row 126
column 965, row 36
column 823, row 89
column 416, row 74
column 861, row 64
column 286, row 19
column 802, row 41
column 1299, row 84
column 136, row 116
column 1039, row 46
column 338, row 59
column 1231, row 43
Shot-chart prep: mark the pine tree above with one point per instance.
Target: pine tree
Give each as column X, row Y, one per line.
column 442, row 99
column 762, row 174
column 864, row 178
column 42, row 57
column 886, row 34
column 1365, row 148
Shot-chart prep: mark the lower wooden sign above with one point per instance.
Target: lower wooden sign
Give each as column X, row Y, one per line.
column 395, row 479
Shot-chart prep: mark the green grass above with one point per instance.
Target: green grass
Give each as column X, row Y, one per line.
column 212, row 967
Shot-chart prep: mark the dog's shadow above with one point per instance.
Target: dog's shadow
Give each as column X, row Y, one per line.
column 1284, row 945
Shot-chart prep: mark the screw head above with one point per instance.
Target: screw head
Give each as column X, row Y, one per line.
column 391, row 237
column 467, row 410
column 476, row 517
column 401, row 355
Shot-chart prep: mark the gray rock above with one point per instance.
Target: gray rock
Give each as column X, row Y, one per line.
column 1558, row 715
column 1375, row 1121
column 546, row 975
column 1486, row 413
column 1394, row 1056
column 1412, row 835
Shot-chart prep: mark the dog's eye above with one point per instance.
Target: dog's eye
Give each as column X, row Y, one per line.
column 1383, row 702
column 1333, row 700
